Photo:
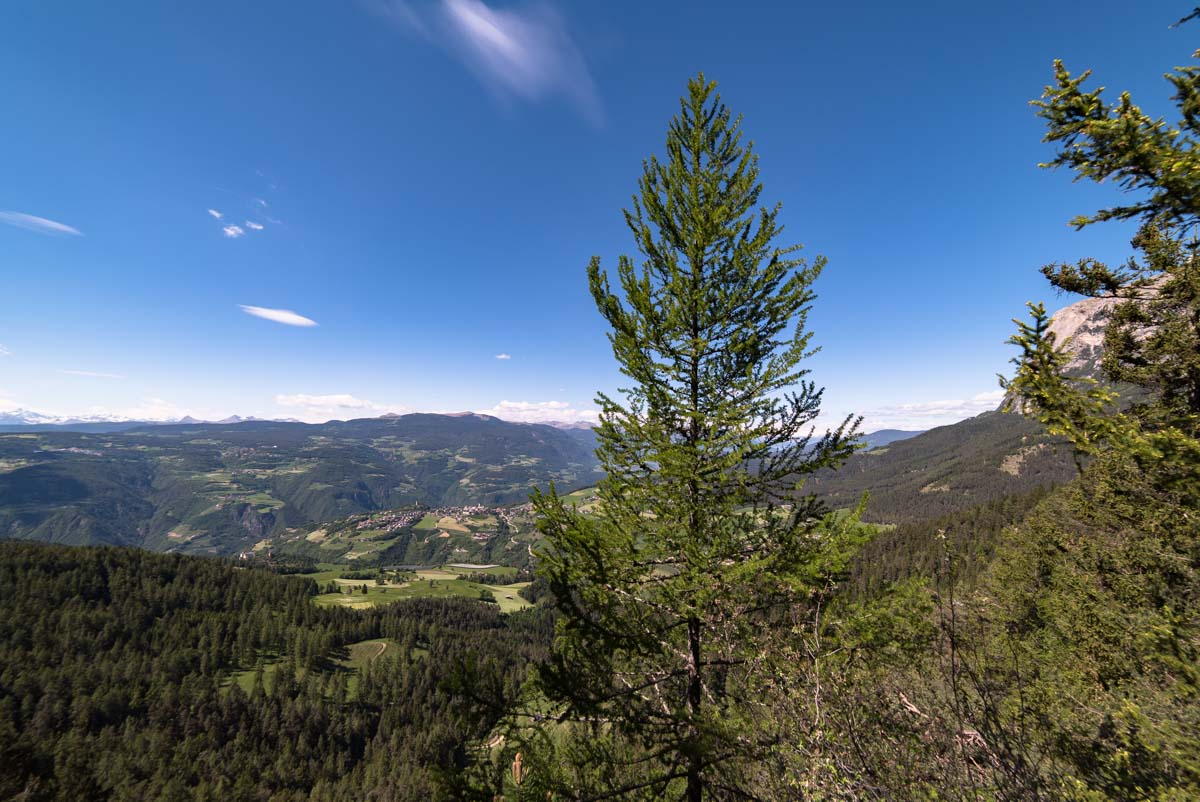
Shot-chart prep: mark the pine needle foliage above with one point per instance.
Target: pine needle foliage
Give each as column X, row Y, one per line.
column 700, row 540
column 1119, row 142
column 1153, row 338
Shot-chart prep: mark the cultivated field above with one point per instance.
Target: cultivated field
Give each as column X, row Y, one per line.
column 434, row 582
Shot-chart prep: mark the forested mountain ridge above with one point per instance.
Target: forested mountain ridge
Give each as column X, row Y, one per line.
column 976, row 461
column 949, row 469
column 214, row 488
column 884, row 437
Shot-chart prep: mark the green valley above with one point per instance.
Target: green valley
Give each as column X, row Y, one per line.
column 221, row 489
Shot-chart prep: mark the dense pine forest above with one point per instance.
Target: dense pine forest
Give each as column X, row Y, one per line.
column 118, row 681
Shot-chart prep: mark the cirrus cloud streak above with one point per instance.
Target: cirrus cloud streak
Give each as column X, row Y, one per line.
column 516, row 52
column 41, row 225
column 930, row 414
column 285, row 316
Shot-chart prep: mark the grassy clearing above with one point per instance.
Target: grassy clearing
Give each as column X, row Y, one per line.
column 245, row 679
column 356, row 657
column 436, row 583
column 428, row 522
column 582, row 500
column 326, row 572
column 508, row 599
column 360, row 655
column 264, row 502
column 451, row 524
column 366, row 651
column 358, row 583
column 493, row 570
column 351, row 595
column 363, row 548
column 435, row 574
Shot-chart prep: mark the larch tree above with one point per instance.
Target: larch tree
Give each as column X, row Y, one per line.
column 701, row 541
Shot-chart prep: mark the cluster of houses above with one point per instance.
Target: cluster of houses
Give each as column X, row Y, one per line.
column 390, row 521
column 76, row 450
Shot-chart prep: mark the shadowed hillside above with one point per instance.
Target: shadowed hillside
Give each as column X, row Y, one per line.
column 949, row 469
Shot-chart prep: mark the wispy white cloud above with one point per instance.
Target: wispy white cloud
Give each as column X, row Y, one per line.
column 525, row 53
column 284, row 316
column 4, row 351
column 215, row 213
column 260, row 202
column 540, row 412
column 38, row 224
column 233, row 232
column 92, row 374
column 503, row 356
column 156, row 409
column 253, row 226
column 339, row 400
column 320, row 408
column 930, row 414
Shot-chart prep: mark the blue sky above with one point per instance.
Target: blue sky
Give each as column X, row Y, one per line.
column 425, row 181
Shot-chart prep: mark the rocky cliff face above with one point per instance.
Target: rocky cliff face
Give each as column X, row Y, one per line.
column 1080, row 329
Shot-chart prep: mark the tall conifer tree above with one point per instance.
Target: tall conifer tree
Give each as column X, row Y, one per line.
column 700, row 540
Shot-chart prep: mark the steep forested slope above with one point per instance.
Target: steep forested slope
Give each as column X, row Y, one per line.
column 949, row 469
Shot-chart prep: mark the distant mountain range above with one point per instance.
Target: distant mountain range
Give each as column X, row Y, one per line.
column 219, row 488
column 28, row 420
column 24, row 419
column 885, row 437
